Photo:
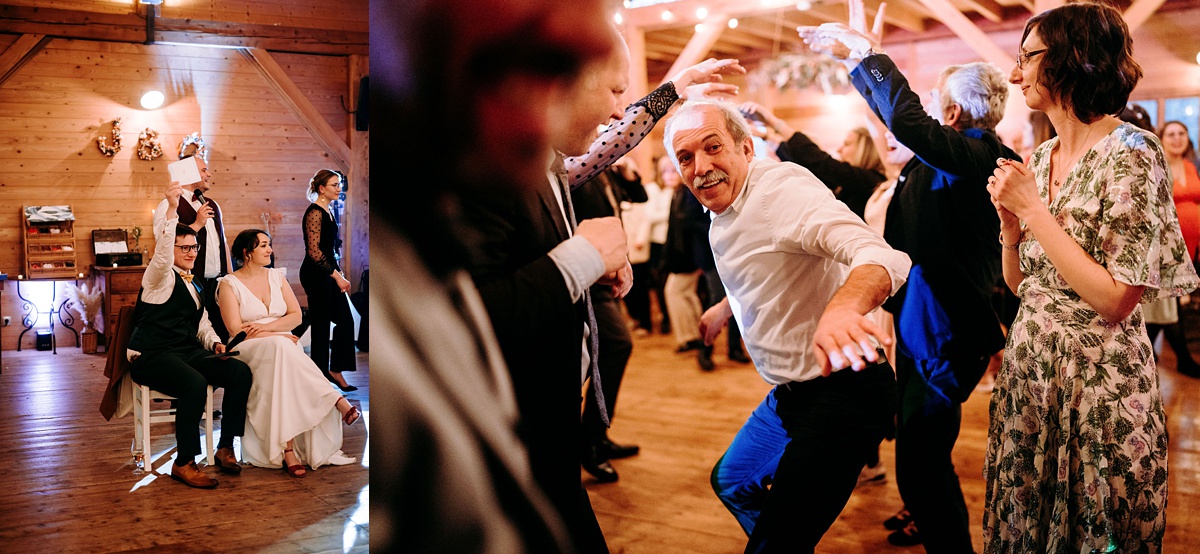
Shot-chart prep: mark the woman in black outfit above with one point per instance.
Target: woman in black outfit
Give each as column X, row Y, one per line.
column 852, row 179
column 324, row 283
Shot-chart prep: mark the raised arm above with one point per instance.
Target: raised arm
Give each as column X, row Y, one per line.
column 622, row 136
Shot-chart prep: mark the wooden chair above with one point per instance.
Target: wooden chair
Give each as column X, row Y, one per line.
column 142, row 396
column 144, row 415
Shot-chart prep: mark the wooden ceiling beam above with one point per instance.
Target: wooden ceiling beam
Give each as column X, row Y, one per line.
column 989, row 9
column 131, row 28
column 702, row 42
column 20, row 52
column 299, row 105
column 969, row 33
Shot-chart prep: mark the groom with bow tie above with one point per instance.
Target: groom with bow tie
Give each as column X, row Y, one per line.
column 171, row 349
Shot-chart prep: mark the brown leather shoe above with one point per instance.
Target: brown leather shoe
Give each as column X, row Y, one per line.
column 191, row 476
column 227, row 461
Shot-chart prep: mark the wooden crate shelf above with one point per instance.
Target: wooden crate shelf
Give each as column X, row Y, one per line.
column 49, row 247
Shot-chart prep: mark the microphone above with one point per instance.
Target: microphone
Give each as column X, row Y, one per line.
column 199, row 196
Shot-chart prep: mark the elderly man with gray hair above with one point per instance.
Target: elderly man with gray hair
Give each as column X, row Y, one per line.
column 801, row 271
column 941, row 215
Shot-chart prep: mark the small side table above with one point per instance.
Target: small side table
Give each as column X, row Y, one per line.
column 33, row 314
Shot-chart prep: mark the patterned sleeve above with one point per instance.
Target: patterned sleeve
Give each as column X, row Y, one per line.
column 622, row 136
column 1140, row 242
column 313, row 219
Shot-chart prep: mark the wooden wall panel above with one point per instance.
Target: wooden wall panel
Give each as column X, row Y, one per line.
column 53, row 109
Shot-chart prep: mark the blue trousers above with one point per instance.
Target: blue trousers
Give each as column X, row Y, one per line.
column 791, row 468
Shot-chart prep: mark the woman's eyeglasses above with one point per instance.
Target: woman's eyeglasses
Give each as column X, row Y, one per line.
column 1023, row 57
column 188, row 247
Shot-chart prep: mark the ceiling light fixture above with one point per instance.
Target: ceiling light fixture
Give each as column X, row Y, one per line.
column 152, row 99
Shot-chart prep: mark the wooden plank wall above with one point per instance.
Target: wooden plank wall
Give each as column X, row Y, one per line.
column 54, row 107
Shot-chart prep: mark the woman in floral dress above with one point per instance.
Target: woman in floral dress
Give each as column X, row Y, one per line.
column 1077, row 445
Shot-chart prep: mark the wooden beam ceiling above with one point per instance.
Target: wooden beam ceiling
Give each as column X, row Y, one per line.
column 25, row 47
column 83, row 25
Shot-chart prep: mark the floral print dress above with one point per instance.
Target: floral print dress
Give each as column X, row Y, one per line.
column 1077, row 444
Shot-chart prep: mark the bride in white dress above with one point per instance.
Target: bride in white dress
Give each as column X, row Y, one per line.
column 293, row 416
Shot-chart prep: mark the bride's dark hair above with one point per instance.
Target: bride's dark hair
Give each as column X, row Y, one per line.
column 243, row 244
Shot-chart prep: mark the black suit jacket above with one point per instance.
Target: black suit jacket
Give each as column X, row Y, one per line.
column 538, row 326
column 941, row 215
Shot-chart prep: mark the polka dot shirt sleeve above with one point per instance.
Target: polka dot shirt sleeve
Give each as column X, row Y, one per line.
column 622, row 136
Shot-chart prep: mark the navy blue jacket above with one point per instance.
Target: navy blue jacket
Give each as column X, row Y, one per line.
column 941, row 215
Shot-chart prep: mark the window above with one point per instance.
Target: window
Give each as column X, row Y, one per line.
column 1185, row 110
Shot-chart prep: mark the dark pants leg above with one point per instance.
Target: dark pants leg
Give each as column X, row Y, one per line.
column 716, row 293
column 658, row 282
column 328, row 305
column 638, row 299
column 615, row 349
column 184, row 374
column 589, row 539
column 209, row 292
column 930, row 415
column 833, row 422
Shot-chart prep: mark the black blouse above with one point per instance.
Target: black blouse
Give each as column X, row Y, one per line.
column 320, row 235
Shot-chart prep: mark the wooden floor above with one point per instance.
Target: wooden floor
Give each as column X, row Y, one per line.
column 683, row 419
column 67, row 481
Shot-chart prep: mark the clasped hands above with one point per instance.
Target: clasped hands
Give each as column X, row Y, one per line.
column 1014, row 194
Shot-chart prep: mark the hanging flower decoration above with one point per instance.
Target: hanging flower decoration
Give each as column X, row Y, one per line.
column 102, row 141
column 148, row 146
column 798, row 71
column 193, row 145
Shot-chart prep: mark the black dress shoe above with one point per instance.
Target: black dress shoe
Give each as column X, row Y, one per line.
column 898, row 521
column 1190, row 368
column 906, row 536
column 609, row 450
column 597, row 465
column 704, row 357
column 739, row 357
column 688, row 346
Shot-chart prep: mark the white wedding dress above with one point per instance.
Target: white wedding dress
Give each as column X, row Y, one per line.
column 289, row 397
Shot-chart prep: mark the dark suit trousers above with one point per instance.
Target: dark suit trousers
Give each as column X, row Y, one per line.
column 208, row 289
column 638, row 299
column 184, row 373
column 616, row 345
column 327, row 304
column 930, row 414
column 834, row 423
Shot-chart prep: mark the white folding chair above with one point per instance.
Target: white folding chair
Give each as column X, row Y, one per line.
column 143, row 416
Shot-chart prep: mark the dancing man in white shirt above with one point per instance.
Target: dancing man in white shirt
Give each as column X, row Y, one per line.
column 801, row 271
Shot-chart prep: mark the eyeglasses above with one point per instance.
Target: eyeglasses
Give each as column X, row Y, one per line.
column 1023, row 57
column 188, row 247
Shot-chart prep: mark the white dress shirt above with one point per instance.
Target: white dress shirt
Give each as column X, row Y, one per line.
column 158, row 281
column 212, row 241
column 783, row 248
